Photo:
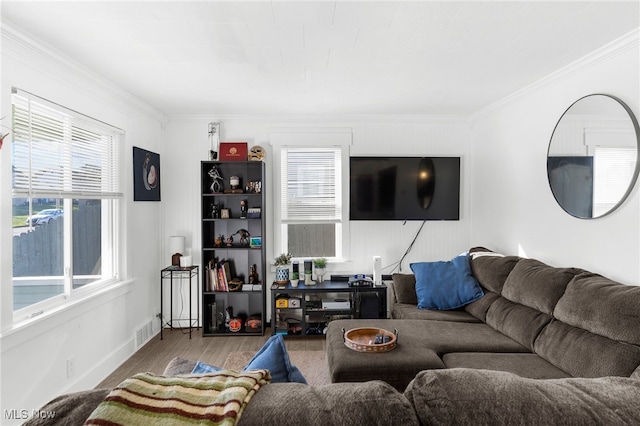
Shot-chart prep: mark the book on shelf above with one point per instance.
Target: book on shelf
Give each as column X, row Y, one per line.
column 211, row 276
column 224, row 276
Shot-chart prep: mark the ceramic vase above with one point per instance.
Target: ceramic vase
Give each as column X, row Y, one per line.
column 282, row 274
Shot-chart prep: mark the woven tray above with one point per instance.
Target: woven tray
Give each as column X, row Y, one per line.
column 362, row 339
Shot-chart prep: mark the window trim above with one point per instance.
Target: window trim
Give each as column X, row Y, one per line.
column 112, row 207
column 305, row 137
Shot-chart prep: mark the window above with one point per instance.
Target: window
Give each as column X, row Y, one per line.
column 311, row 201
column 613, row 170
column 66, row 186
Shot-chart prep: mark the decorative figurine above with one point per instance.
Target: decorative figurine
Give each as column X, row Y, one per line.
column 227, row 316
column 254, row 187
column 244, row 236
column 215, row 211
column 256, row 153
column 218, row 241
column 230, row 241
column 214, row 140
column 243, row 209
column 216, row 185
column 234, row 181
column 253, row 275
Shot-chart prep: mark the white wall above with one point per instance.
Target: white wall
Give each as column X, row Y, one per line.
column 513, row 208
column 99, row 332
column 188, row 144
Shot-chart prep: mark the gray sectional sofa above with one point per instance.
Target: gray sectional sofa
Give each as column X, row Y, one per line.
column 543, row 346
column 534, row 320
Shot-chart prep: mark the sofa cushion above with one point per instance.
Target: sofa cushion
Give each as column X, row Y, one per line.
column 585, row 354
column 178, row 366
column 445, row 284
column 596, row 332
column 524, row 365
column 491, row 269
column 404, row 288
column 472, row 397
column 601, row 306
column 521, row 323
column 479, row 308
column 536, row 285
column 405, row 311
column 294, row 404
column 69, row 409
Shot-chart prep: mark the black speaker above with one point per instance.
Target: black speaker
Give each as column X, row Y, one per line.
column 369, row 305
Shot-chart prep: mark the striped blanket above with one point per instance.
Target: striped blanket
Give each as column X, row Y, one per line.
column 202, row 399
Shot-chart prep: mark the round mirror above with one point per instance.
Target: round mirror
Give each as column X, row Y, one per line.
column 592, row 161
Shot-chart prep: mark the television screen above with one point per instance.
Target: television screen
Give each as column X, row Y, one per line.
column 404, row 188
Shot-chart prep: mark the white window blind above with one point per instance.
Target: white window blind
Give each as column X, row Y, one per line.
column 311, row 185
column 59, row 153
column 613, row 170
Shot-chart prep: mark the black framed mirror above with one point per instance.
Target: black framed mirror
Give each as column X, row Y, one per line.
column 592, row 160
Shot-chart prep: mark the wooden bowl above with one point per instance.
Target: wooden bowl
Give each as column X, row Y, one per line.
column 362, row 339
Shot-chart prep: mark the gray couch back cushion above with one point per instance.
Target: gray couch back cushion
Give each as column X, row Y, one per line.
column 479, row 397
column 480, row 307
column 295, row 404
column 596, row 330
column 585, row 354
column 521, row 323
column 602, row 306
column 536, row 285
column 529, row 295
column 404, row 289
column 491, row 269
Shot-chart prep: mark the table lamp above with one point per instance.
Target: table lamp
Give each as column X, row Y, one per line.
column 176, row 246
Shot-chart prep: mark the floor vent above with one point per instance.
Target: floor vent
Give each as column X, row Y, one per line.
column 144, row 334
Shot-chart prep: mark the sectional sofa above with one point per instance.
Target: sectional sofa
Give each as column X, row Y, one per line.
column 537, row 345
column 533, row 320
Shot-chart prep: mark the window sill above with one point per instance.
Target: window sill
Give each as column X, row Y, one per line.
column 48, row 318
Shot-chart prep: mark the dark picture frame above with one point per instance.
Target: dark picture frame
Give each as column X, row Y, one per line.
column 146, row 175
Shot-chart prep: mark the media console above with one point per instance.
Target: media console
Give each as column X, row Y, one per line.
column 306, row 310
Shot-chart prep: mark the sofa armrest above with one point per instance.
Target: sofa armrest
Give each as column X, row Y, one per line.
column 403, row 289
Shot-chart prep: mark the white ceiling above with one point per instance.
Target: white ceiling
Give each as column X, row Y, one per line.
column 324, row 57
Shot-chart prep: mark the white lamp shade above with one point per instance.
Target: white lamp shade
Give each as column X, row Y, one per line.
column 176, row 244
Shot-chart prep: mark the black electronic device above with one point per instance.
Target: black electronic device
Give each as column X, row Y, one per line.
column 404, row 188
column 360, row 281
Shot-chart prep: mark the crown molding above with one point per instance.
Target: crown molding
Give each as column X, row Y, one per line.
column 29, row 49
column 627, row 42
column 326, row 118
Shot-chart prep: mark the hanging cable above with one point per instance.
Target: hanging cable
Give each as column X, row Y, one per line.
column 398, row 265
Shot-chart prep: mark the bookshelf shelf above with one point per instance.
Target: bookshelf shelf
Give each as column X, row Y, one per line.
column 234, row 269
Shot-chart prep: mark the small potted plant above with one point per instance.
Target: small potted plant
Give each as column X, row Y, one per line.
column 320, row 265
column 282, row 268
column 295, row 277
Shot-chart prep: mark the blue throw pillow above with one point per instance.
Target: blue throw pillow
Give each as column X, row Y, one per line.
column 446, row 285
column 272, row 356
column 202, row 368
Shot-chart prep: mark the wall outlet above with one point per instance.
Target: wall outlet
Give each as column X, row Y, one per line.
column 71, row 367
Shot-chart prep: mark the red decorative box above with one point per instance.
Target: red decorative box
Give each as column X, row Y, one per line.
column 233, row 151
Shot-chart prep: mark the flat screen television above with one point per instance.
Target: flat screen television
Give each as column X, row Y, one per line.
column 404, row 188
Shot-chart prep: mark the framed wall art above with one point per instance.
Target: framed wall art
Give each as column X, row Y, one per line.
column 146, row 175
